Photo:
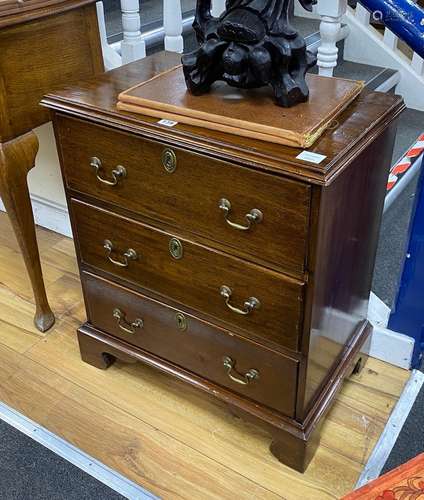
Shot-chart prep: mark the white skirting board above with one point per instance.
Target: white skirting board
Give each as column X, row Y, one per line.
column 50, row 215
column 386, row 345
column 393, row 347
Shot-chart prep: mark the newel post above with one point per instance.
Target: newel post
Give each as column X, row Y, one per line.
column 331, row 13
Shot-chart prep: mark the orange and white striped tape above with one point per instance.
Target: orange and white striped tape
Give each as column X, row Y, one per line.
column 405, row 163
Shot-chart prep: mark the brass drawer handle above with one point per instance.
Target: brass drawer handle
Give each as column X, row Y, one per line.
column 249, row 305
column 124, row 324
column 245, row 379
column 130, row 254
column 255, row 216
column 118, row 173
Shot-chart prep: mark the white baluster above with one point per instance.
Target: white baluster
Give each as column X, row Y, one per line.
column 417, row 64
column 218, row 7
column 390, row 39
column 111, row 58
column 362, row 15
column 331, row 12
column 133, row 46
column 173, row 25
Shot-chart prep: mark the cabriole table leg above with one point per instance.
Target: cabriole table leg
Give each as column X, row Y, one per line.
column 17, row 158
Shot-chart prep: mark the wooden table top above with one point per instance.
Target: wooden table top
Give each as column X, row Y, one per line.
column 45, row 46
column 356, row 127
column 20, row 11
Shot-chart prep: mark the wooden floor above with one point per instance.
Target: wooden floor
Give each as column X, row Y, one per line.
column 166, row 436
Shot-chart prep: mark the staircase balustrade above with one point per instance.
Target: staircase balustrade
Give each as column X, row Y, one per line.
column 133, row 45
column 397, row 21
column 173, row 24
column 331, row 13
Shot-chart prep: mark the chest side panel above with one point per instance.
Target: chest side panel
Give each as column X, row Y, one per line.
column 342, row 263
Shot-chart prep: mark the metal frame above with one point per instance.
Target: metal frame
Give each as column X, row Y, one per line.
column 408, row 314
column 388, row 438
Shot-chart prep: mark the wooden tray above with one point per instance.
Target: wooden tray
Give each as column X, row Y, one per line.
column 249, row 113
column 404, row 483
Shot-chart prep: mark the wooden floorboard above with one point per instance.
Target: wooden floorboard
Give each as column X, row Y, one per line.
column 162, row 434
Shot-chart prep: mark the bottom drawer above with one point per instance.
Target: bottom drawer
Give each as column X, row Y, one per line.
column 213, row 353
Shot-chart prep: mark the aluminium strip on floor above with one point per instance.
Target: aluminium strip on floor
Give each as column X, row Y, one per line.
column 75, row 456
column 388, row 438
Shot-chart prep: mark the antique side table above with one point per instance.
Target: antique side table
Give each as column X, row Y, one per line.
column 266, row 314
column 43, row 44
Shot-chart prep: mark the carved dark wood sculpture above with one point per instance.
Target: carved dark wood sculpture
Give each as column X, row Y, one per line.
column 252, row 44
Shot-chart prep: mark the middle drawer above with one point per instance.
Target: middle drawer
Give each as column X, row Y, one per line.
column 260, row 302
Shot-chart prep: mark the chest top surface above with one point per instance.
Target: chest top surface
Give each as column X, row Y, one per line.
column 96, row 100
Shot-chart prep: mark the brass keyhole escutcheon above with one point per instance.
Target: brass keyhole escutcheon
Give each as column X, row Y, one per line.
column 176, row 248
column 181, row 322
column 169, row 160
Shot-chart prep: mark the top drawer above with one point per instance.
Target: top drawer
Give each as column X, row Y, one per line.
column 187, row 190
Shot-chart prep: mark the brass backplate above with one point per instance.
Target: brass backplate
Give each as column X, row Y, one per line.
column 181, row 322
column 169, row 160
column 176, row 248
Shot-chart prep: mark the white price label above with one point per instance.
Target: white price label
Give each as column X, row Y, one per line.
column 311, row 157
column 167, row 123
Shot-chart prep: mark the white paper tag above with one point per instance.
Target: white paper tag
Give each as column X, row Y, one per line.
column 311, row 157
column 167, row 123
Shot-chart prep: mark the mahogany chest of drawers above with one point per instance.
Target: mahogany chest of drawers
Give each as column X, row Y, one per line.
column 224, row 261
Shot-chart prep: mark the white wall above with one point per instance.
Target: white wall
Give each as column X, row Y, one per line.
column 45, row 180
column 46, row 187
